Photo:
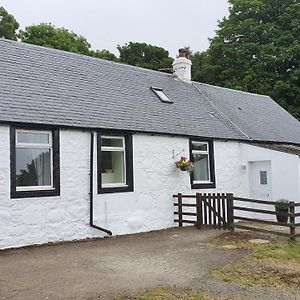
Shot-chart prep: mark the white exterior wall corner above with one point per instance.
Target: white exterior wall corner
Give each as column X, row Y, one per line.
column 29, row 221
column 285, row 174
column 284, row 171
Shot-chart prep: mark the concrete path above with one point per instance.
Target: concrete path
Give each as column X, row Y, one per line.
column 106, row 267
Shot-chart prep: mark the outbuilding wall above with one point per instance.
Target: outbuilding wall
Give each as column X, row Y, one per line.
column 285, row 174
column 29, row 221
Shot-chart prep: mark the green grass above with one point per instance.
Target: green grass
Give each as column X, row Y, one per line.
column 281, row 252
column 169, row 294
column 166, row 294
column 273, row 265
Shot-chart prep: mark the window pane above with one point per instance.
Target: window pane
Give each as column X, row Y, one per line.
column 263, row 177
column 113, row 170
column 107, row 142
column 32, row 137
column 199, row 146
column 33, row 167
column 201, row 171
column 163, row 96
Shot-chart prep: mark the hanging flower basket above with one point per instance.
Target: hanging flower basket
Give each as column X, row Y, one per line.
column 184, row 165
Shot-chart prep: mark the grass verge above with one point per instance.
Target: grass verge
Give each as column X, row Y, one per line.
column 273, row 265
column 171, row 294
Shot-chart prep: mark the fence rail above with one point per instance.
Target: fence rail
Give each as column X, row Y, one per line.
column 210, row 210
column 291, row 215
column 218, row 210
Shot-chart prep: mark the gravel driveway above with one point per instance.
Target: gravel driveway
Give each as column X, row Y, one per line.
column 119, row 265
column 110, row 266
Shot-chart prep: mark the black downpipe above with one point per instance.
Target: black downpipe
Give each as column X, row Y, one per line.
column 92, row 189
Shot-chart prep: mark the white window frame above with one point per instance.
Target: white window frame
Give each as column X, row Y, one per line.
column 205, row 152
column 49, row 145
column 115, row 149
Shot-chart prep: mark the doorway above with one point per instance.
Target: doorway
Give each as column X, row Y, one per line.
column 260, row 180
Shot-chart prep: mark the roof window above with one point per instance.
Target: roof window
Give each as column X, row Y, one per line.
column 161, row 95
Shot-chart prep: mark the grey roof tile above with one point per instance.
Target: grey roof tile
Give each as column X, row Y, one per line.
column 48, row 86
column 260, row 117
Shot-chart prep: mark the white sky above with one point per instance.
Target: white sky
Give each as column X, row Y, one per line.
column 171, row 24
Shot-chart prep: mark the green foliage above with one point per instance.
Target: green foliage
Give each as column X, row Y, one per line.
column 145, row 56
column 282, row 204
column 256, row 49
column 104, row 54
column 59, row 38
column 8, row 25
column 48, row 35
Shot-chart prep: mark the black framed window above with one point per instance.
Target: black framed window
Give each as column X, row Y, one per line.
column 202, row 156
column 34, row 162
column 115, row 163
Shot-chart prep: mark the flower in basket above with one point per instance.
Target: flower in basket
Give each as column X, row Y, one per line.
column 184, row 164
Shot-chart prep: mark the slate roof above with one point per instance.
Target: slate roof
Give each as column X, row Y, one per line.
column 258, row 116
column 285, row 148
column 48, row 86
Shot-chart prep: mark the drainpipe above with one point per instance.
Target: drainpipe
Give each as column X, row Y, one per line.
column 92, row 189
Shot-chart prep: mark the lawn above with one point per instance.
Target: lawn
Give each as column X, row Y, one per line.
column 171, row 294
column 272, row 265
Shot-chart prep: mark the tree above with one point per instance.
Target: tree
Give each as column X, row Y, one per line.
column 59, row 38
column 256, row 49
column 145, row 55
column 104, row 54
column 8, row 25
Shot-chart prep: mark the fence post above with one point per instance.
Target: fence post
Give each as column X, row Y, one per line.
column 199, row 210
column 180, row 209
column 292, row 220
column 230, row 218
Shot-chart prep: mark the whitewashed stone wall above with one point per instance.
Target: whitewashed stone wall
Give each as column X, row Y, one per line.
column 285, row 175
column 49, row 219
column 40, row 220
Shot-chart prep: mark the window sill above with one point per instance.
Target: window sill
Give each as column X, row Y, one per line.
column 115, row 189
column 35, row 193
column 113, row 185
column 35, row 188
column 203, row 185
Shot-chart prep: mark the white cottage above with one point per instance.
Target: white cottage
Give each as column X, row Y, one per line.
column 87, row 146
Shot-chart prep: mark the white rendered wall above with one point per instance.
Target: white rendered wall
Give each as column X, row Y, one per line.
column 50, row 219
column 285, row 174
column 156, row 179
column 28, row 221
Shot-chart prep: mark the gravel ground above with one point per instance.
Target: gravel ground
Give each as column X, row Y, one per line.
column 231, row 290
column 122, row 265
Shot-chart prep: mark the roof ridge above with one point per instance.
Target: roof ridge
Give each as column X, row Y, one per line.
column 233, row 90
column 74, row 54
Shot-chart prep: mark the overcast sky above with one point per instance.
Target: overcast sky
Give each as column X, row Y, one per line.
column 171, row 24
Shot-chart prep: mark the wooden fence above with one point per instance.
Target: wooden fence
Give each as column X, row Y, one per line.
column 209, row 210
column 291, row 225
column 220, row 211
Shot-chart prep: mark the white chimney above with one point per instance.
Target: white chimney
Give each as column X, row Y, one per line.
column 182, row 66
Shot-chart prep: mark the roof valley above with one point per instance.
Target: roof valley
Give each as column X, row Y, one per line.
column 219, row 110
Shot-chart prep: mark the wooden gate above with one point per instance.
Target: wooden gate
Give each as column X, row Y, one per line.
column 205, row 210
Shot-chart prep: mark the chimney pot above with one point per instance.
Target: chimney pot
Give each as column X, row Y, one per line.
column 183, row 52
column 182, row 66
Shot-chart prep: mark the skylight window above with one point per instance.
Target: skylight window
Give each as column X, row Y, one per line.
column 161, row 95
